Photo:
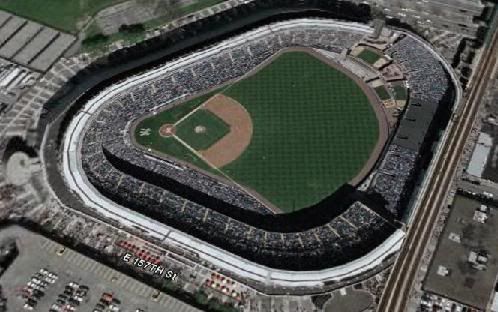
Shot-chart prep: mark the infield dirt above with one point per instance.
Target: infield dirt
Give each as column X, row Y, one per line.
column 232, row 145
column 303, row 129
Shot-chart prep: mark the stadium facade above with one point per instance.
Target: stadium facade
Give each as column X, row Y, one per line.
column 176, row 205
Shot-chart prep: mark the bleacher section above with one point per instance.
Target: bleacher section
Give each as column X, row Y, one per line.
column 430, row 89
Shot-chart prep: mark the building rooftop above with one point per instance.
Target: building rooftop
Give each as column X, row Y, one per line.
column 31, row 44
column 480, row 155
column 469, row 261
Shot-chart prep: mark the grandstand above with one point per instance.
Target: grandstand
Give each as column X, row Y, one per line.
column 201, row 205
column 299, row 105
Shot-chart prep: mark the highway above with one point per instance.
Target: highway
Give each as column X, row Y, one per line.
column 396, row 295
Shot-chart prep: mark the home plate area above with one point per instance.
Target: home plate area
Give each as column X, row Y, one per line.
column 219, row 130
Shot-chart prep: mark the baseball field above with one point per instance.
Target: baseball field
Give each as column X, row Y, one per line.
column 291, row 132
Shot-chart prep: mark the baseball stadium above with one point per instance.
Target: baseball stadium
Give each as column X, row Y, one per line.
column 286, row 153
column 305, row 129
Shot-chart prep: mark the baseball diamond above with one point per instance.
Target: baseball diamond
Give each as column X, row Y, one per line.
column 201, row 129
column 306, row 129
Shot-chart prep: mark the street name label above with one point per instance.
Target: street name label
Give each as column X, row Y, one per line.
column 148, row 266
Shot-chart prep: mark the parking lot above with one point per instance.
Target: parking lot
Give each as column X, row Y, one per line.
column 31, row 44
column 81, row 284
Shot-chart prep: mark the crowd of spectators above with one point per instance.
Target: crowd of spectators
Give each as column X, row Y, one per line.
column 351, row 234
column 203, row 75
column 426, row 75
column 336, row 242
column 429, row 87
column 393, row 175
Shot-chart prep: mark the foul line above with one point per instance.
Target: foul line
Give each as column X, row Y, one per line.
column 202, row 105
column 191, row 112
column 224, row 89
column 192, row 150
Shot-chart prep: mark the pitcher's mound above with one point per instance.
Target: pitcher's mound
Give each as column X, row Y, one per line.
column 200, row 129
column 232, row 145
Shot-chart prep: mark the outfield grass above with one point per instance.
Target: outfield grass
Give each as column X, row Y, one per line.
column 215, row 129
column 313, row 130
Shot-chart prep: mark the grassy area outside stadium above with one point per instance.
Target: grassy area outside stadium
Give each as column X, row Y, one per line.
column 61, row 14
column 73, row 16
column 313, row 130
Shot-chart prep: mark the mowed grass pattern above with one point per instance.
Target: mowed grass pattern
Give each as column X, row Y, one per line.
column 170, row 146
column 313, row 130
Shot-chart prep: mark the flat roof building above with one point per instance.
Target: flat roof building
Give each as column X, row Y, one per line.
column 467, row 252
column 458, row 16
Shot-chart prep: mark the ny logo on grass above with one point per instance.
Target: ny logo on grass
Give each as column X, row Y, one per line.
column 145, row 132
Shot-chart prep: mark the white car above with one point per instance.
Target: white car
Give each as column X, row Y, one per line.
column 28, row 306
column 49, row 280
column 34, row 286
column 114, row 308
